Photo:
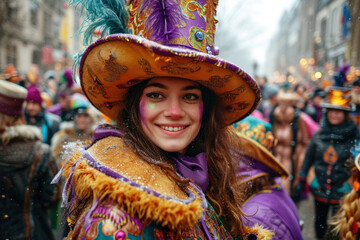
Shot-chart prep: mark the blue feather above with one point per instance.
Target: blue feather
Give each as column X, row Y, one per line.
column 110, row 16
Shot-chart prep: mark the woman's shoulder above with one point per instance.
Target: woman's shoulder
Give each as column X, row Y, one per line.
column 109, row 170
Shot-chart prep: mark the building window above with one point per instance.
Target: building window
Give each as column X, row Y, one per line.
column 335, row 23
column 34, row 12
column 47, row 28
column 36, row 57
column 11, row 53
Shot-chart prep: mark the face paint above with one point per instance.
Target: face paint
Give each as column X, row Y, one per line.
column 176, row 120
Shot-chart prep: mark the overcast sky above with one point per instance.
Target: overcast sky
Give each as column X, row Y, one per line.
column 245, row 28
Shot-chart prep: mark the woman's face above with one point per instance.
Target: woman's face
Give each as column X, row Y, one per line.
column 335, row 116
column 171, row 110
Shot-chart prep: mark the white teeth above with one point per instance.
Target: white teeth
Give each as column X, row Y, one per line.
column 172, row 129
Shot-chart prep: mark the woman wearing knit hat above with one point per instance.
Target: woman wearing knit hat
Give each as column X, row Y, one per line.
column 36, row 115
column 166, row 171
column 26, row 168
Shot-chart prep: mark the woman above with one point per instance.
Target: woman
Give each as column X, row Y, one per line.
column 26, row 168
column 327, row 152
column 166, row 172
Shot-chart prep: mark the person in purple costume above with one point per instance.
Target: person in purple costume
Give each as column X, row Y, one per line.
column 166, row 170
column 266, row 203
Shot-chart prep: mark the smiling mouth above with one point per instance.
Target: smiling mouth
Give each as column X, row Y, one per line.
column 173, row 129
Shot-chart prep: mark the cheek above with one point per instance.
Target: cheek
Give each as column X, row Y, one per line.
column 142, row 110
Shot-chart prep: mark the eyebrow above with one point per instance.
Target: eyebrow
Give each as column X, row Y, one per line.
column 159, row 85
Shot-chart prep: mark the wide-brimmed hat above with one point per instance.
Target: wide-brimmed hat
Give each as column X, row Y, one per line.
column 169, row 39
column 338, row 98
column 12, row 97
column 257, row 143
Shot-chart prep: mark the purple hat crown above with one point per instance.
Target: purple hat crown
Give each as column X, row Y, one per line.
column 178, row 23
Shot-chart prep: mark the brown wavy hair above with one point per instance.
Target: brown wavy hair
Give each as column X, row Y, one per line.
column 217, row 141
column 10, row 120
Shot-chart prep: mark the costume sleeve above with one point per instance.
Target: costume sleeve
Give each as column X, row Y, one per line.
column 309, row 157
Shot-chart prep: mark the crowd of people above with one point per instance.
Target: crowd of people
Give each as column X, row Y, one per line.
column 160, row 139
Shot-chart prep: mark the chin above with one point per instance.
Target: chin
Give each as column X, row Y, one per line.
column 173, row 148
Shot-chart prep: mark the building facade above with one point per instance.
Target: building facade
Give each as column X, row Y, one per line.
column 38, row 32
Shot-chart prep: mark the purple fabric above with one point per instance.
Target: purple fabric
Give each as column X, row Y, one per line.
column 33, row 95
column 68, row 78
column 194, row 168
column 88, row 215
column 10, row 105
column 105, row 130
column 274, row 210
column 251, row 166
column 55, row 109
column 206, row 231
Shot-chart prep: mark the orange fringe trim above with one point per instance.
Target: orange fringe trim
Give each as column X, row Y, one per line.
column 91, row 183
column 261, row 232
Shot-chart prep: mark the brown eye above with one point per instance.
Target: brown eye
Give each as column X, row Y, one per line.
column 191, row 96
column 154, row 95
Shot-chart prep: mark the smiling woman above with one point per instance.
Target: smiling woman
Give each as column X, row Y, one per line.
column 165, row 171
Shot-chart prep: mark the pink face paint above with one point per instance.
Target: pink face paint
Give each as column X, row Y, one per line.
column 142, row 109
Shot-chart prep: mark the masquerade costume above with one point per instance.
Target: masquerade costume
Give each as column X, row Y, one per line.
column 111, row 192
column 268, row 205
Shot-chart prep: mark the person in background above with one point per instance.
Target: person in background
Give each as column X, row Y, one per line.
column 26, row 168
column 36, row 115
column 270, row 93
column 63, row 107
column 291, row 131
column 81, row 129
column 258, row 172
column 317, row 98
column 328, row 151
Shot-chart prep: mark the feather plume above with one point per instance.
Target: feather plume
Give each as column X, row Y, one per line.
column 164, row 19
column 109, row 16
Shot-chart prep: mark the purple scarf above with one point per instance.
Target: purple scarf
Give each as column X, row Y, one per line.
column 194, row 168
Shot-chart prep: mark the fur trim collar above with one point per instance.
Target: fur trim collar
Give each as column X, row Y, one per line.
column 21, row 131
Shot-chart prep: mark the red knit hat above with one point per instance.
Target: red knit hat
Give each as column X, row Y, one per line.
column 34, row 95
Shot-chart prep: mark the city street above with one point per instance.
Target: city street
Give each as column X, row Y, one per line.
column 306, row 213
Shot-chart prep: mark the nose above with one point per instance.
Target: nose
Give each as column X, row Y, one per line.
column 174, row 109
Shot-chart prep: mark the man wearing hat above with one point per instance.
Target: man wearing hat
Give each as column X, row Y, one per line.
column 35, row 115
column 26, row 168
column 258, row 174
